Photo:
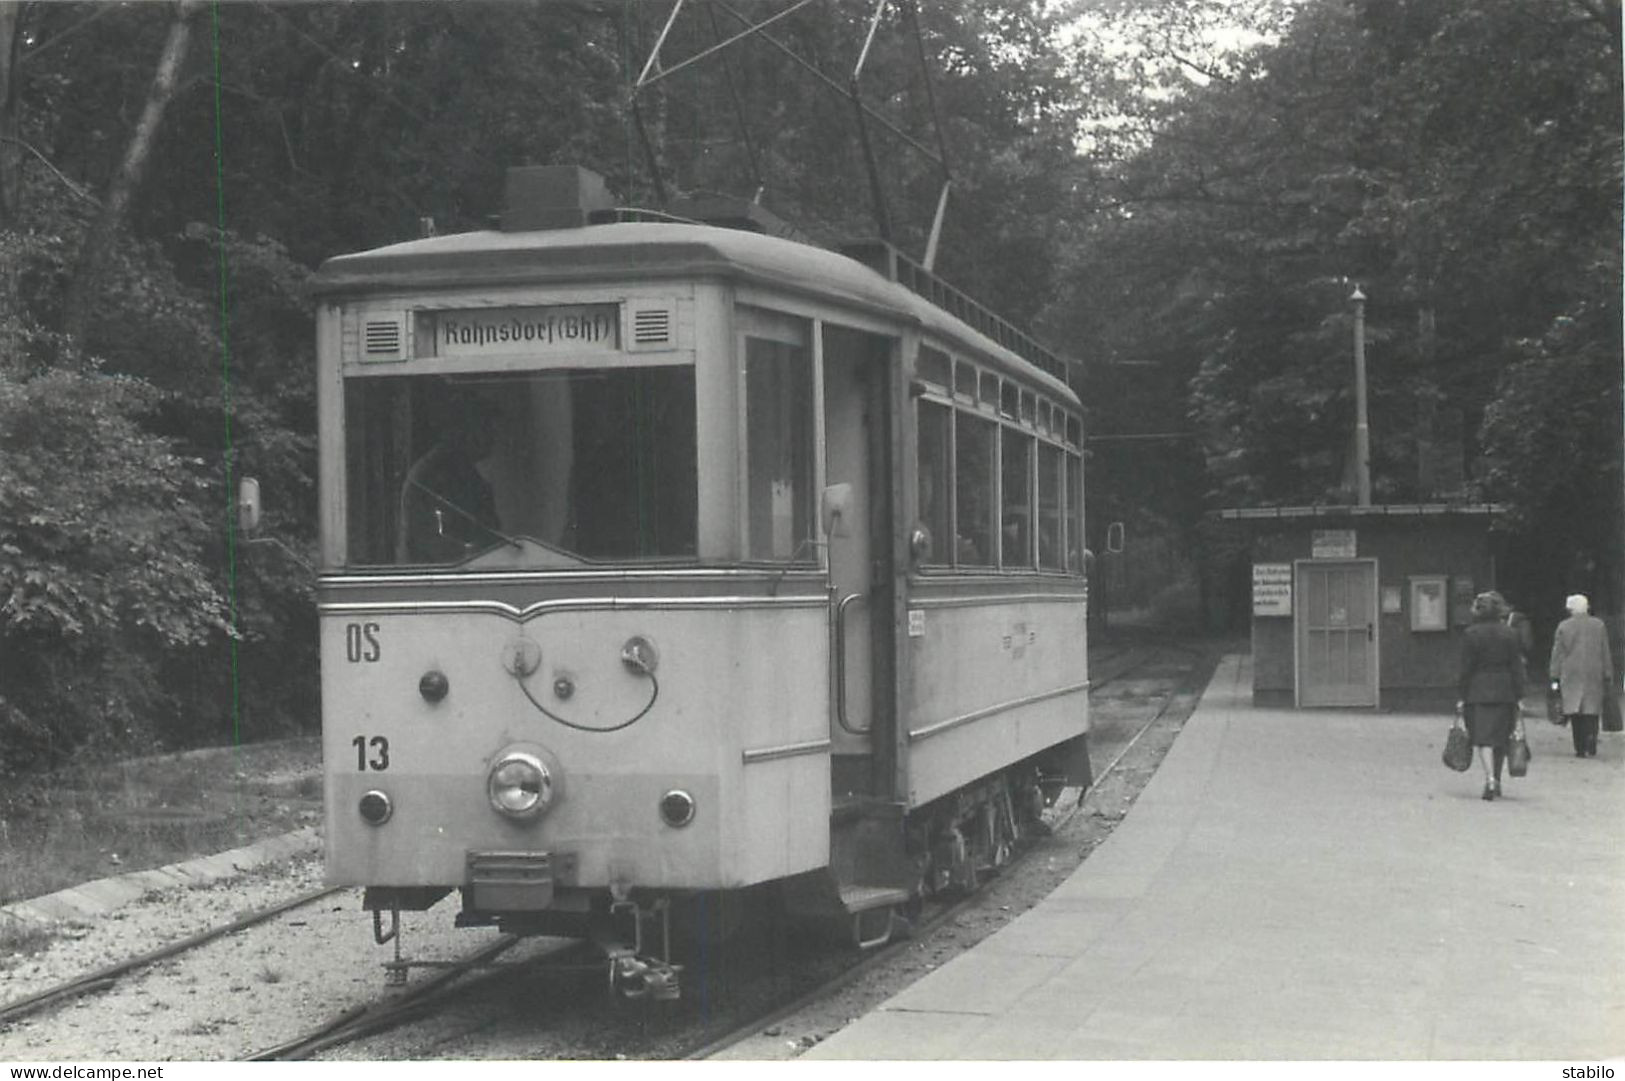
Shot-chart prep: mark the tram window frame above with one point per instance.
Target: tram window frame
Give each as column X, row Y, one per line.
column 987, row 394
column 981, row 404
column 1051, row 528
column 1016, row 508
column 935, row 368
column 973, row 541
column 965, row 382
column 777, row 403
column 934, row 511
column 402, row 427
column 1074, row 513
column 1008, row 400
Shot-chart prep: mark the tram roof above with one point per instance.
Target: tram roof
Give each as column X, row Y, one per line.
column 651, row 251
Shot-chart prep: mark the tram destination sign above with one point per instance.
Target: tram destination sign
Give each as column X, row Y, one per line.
column 481, row 332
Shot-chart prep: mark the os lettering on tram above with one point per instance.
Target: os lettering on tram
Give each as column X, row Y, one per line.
column 361, row 643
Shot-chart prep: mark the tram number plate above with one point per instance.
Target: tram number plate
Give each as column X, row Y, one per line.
column 510, row 881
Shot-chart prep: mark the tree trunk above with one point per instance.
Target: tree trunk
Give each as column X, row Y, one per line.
column 11, row 152
column 99, row 241
column 11, row 157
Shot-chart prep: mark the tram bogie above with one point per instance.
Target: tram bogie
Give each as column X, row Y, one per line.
column 664, row 561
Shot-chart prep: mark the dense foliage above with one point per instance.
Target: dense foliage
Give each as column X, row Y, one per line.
column 1458, row 161
column 1183, row 193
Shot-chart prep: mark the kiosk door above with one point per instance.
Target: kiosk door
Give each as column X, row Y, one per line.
column 1337, row 633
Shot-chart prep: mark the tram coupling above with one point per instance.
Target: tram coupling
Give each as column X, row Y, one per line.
column 633, row 972
column 634, row 977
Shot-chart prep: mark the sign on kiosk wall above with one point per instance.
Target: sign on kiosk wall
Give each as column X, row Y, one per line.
column 1272, row 589
column 1332, row 544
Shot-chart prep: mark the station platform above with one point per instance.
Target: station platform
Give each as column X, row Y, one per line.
column 1308, row 884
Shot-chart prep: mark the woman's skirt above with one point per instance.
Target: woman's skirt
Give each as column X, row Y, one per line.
column 1491, row 723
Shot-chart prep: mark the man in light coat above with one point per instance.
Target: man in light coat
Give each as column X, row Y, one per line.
column 1582, row 669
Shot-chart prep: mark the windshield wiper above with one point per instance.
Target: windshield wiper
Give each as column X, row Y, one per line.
column 443, row 501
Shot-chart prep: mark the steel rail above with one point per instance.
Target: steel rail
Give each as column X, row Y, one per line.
column 104, row 978
column 366, row 1019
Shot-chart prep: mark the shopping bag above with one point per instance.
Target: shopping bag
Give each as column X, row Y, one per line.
column 1610, row 713
column 1458, row 748
column 1518, row 754
column 1554, row 706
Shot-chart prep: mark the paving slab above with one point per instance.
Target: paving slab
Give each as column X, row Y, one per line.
column 1307, row 885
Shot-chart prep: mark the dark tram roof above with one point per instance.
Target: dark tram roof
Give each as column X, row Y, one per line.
column 648, row 251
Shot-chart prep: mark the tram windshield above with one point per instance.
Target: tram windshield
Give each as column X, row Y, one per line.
column 555, row 468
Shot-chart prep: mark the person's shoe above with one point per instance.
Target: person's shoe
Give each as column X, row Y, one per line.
column 1489, row 793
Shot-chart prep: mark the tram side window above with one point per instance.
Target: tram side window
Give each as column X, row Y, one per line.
column 379, row 427
column 1016, row 516
column 973, row 491
column 1074, row 513
column 936, row 459
column 779, row 449
column 1049, row 507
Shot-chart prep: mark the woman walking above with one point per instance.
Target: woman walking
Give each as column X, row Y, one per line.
column 1492, row 682
column 1581, row 670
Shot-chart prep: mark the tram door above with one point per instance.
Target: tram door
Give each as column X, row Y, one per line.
column 1337, row 640
column 856, row 441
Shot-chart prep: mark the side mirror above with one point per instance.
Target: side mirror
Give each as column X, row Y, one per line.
column 248, row 506
column 834, row 508
column 1114, row 538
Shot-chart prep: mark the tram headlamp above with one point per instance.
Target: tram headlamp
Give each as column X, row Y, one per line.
column 520, row 785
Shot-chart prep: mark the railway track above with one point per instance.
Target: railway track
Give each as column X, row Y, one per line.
column 479, row 976
column 362, row 1021
column 104, row 978
column 749, row 1011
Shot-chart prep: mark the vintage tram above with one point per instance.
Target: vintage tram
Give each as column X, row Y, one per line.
column 664, row 560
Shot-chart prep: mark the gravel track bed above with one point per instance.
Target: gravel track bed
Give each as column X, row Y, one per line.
column 249, row 990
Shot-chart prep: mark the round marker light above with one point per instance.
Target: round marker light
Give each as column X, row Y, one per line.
column 677, row 808
column 375, row 808
column 433, row 686
column 520, row 785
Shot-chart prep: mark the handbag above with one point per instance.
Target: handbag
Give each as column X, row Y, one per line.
column 1518, row 753
column 1554, row 706
column 1458, row 748
column 1611, row 721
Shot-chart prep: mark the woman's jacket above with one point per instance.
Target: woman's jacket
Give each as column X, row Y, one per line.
column 1491, row 664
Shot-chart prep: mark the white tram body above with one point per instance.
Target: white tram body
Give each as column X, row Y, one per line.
column 755, row 556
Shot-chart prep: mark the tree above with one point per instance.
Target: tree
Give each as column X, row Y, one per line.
column 98, row 240
column 1460, row 161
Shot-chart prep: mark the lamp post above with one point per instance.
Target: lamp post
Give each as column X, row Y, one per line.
column 1362, row 429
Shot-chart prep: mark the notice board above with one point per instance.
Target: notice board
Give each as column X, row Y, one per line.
column 1272, row 589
